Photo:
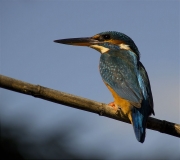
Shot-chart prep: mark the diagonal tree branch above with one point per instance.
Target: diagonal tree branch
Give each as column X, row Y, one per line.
column 83, row 104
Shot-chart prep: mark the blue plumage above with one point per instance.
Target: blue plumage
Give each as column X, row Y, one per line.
column 127, row 77
column 118, row 69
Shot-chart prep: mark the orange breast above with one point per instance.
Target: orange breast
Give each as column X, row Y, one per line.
column 122, row 103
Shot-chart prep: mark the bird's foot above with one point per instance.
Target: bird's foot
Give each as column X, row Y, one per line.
column 112, row 104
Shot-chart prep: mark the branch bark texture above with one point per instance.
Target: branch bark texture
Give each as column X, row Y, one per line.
column 83, row 104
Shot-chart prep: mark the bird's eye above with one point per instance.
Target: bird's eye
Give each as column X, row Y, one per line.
column 106, row 36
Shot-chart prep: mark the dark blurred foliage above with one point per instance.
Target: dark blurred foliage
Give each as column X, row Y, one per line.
column 57, row 146
column 9, row 149
column 54, row 147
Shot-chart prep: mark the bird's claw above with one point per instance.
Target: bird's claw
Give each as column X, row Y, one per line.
column 112, row 104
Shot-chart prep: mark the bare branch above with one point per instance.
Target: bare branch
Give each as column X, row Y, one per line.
column 83, row 104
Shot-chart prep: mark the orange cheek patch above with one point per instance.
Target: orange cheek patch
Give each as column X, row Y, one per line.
column 115, row 41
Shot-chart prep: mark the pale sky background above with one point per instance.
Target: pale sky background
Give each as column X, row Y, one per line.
column 28, row 53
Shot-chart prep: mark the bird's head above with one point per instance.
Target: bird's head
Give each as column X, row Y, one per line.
column 104, row 41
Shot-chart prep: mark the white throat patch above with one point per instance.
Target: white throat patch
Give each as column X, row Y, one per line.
column 99, row 48
column 124, row 46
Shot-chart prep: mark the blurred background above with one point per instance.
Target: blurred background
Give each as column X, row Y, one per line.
column 32, row 128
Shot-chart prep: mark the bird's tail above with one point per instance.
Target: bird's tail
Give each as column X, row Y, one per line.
column 139, row 119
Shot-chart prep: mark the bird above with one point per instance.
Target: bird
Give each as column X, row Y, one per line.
column 123, row 74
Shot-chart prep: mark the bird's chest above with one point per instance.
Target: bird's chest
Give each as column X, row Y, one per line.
column 114, row 70
column 111, row 70
column 108, row 68
column 120, row 102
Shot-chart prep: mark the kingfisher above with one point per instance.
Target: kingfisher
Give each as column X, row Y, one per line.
column 123, row 74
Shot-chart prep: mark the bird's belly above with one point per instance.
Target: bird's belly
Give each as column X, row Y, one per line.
column 124, row 104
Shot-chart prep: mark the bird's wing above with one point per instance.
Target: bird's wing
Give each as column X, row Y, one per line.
column 148, row 94
column 119, row 71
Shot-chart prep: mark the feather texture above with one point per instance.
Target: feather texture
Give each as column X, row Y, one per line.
column 121, row 71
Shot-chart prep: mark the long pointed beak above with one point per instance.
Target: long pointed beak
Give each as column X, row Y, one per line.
column 85, row 41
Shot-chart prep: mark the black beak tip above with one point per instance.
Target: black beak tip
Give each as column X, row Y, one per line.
column 56, row 41
column 62, row 41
